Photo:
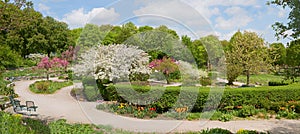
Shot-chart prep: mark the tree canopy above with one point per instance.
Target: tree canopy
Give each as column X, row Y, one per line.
column 293, row 25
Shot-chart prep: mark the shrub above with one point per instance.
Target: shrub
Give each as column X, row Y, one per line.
column 205, row 81
column 61, row 127
column 226, row 117
column 88, row 81
column 215, row 131
column 258, row 97
column 91, row 93
column 42, row 85
column 11, row 124
column 48, row 87
column 275, row 83
column 247, row 111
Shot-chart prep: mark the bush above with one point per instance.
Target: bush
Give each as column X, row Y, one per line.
column 91, row 93
column 42, row 85
column 48, row 87
column 258, row 97
column 88, row 81
column 247, row 111
column 215, row 131
column 275, row 83
column 205, row 81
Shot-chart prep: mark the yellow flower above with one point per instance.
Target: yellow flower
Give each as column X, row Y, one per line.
column 240, row 131
column 121, row 106
column 18, row 115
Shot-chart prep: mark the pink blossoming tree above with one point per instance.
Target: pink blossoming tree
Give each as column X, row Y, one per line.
column 47, row 64
column 165, row 65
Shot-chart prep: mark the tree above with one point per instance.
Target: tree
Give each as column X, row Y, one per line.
column 90, row 36
column 247, row 55
column 283, row 30
column 197, row 49
column 277, row 53
column 293, row 60
column 8, row 58
column 165, row 66
column 56, row 35
column 47, row 64
column 112, row 62
column 213, row 49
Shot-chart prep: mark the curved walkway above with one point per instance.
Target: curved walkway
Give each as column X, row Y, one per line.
column 63, row 105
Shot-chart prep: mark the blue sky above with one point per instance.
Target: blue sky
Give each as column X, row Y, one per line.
column 196, row 18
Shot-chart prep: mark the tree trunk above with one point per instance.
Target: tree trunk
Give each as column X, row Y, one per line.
column 248, row 76
column 47, row 74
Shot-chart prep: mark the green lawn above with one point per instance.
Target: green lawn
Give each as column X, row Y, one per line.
column 23, row 72
column 48, row 87
column 261, row 78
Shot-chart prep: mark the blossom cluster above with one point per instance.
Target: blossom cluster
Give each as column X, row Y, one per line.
column 46, row 63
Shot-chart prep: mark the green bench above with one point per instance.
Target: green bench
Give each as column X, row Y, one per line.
column 28, row 109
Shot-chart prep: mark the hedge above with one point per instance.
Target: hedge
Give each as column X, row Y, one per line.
column 270, row 98
column 91, row 93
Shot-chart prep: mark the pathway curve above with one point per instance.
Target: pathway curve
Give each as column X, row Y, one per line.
column 63, row 105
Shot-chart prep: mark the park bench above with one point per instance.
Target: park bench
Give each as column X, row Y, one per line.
column 28, row 109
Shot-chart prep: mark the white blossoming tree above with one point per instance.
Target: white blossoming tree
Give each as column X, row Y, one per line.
column 113, row 62
column 190, row 74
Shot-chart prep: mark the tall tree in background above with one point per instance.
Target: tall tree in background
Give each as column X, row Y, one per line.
column 293, row 60
column 56, row 36
column 248, row 54
column 277, row 53
column 197, row 49
column 214, row 50
column 293, row 26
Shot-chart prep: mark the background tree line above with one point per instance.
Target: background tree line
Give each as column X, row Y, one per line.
column 24, row 31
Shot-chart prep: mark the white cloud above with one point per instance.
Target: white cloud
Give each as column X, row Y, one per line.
column 78, row 18
column 238, row 18
column 208, row 8
column 171, row 13
column 43, row 7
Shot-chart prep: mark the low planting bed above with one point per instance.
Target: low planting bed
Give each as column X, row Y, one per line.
column 252, row 102
column 48, row 87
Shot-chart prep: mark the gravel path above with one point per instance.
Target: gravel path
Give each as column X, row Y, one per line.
column 63, row 105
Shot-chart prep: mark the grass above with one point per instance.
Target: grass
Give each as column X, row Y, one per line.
column 48, row 87
column 24, row 72
column 262, row 78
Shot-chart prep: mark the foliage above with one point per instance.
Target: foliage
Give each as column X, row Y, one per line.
column 198, row 51
column 277, row 53
column 205, row 81
column 23, row 72
column 91, row 93
column 248, row 55
column 70, row 54
column 214, row 50
column 8, row 58
column 293, row 25
column 16, row 124
column 258, row 97
column 113, row 62
column 262, row 79
column 190, row 74
column 276, row 83
column 48, row 87
column 215, row 131
column 293, row 58
column 12, row 124
column 129, row 110
column 61, row 127
column 47, row 64
column 165, row 65
column 247, row 111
